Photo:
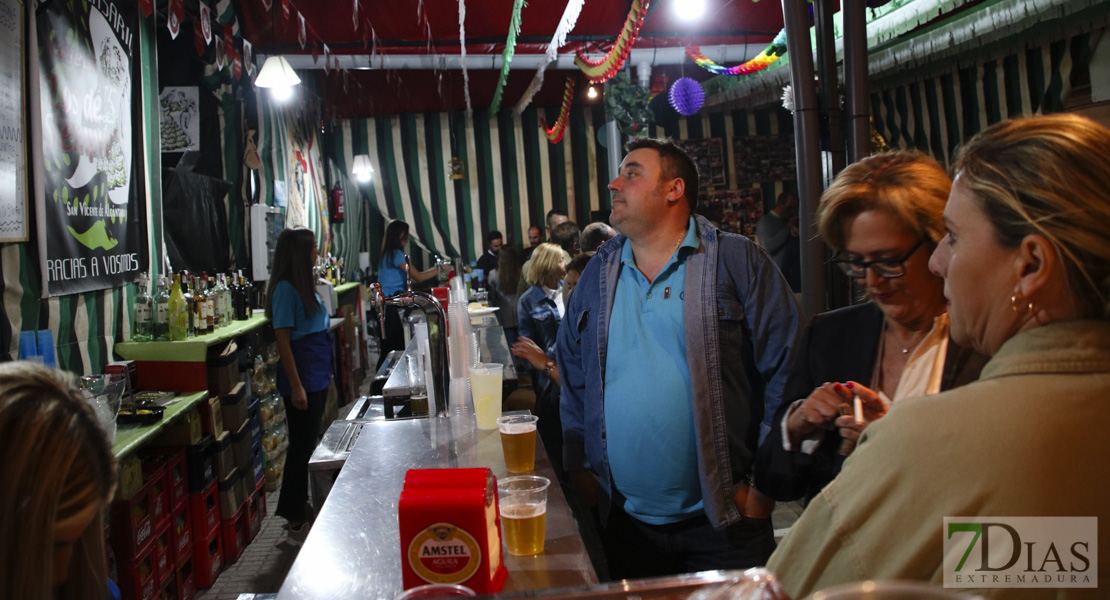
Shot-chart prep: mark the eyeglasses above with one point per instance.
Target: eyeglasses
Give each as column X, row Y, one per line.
column 889, row 268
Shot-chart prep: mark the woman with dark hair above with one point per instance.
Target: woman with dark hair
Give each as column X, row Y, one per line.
column 304, row 344
column 58, row 475
column 503, row 284
column 391, row 275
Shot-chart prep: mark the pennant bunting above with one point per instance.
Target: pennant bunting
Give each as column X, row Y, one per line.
column 147, row 6
column 220, row 56
column 566, row 24
column 301, row 37
column 462, row 47
column 198, row 38
column 248, row 57
column 267, row 4
column 764, row 59
column 237, row 64
column 507, row 56
column 354, row 14
column 327, row 59
column 176, row 14
column 285, row 8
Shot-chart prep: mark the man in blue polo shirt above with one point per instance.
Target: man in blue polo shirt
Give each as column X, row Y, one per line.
column 672, row 356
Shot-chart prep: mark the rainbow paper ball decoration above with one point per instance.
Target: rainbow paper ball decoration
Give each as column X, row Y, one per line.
column 687, row 96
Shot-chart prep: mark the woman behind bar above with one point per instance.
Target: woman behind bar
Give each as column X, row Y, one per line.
column 304, row 344
column 58, row 476
column 391, row 274
column 882, row 216
column 503, row 284
column 1026, row 263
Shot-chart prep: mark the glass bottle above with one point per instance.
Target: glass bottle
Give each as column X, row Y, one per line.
column 190, row 304
column 162, row 311
column 144, row 312
column 209, row 302
column 178, row 312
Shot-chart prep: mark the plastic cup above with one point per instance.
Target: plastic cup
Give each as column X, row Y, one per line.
column 518, row 442
column 522, row 502
column 436, row 590
column 485, row 388
column 890, row 590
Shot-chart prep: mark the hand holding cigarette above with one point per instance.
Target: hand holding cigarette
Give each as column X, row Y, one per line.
column 865, row 408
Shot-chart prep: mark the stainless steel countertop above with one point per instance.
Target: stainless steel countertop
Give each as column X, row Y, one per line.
column 354, row 549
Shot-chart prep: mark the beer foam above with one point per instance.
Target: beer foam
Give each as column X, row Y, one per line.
column 523, row 511
column 516, row 428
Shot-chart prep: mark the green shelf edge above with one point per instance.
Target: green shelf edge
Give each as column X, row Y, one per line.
column 129, row 439
column 191, row 350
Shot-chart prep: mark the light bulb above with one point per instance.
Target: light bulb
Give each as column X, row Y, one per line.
column 689, row 10
column 364, row 176
column 281, row 94
column 592, row 93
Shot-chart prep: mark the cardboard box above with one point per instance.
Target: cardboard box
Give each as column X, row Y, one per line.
column 183, row 431
column 233, row 405
column 231, row 494
column 244, row 448
column 223, row 455
column 223, row 369
column 211, row 416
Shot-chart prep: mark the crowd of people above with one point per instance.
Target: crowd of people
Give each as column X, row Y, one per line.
column 685, row 392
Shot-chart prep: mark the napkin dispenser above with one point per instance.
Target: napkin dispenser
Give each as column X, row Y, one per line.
column 450, row 529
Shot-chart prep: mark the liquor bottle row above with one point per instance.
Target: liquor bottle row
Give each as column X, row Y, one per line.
column 189, row 305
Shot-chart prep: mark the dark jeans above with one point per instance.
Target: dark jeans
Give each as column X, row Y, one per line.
column 635, row 549
column 303, row 426
column 393, row 335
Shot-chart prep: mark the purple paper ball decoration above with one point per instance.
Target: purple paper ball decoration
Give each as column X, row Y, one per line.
column 687, row 96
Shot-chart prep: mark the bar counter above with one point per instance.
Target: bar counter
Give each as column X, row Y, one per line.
column 354, row 548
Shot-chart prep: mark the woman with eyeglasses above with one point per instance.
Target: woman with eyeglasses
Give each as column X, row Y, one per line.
column 883, row 217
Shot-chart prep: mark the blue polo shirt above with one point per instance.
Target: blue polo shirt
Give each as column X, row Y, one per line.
column 649, row 420
column 288, row 310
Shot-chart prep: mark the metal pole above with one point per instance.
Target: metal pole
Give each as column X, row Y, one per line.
column 806, row 135
column 857, row 117
column 613, row 145
column 832, row 134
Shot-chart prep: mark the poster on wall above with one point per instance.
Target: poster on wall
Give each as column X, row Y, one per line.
column 92, row 209
column 764, row 158
column 180, row 121
column 13, row 146
column 736, row 211
column 708, row 154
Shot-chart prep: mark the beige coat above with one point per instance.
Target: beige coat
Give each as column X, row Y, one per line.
column 1030, row 438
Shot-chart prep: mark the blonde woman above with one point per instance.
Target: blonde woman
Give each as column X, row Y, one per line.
column 540, row 308
column 58, row 475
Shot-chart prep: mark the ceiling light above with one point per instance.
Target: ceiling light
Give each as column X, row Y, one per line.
column 279, row 76
column 592, row 92
column 362, row 168
column 689, row 10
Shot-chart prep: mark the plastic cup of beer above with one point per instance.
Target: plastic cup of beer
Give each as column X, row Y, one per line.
column 485, row 388
column 518, row 441
column 522, row 501
column 436, row 590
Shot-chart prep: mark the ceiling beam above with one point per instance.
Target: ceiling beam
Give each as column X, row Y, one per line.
column 724, row 54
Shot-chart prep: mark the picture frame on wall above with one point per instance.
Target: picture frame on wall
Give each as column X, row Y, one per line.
column 13, row 138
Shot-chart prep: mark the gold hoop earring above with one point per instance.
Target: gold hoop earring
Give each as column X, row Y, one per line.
column 1015, row 299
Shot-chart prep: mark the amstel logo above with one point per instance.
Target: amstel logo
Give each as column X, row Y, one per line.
column 443, row 553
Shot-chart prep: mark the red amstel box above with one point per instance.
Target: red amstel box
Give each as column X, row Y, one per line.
column 450, row 529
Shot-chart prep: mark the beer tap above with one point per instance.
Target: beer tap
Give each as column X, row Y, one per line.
column 437, row 331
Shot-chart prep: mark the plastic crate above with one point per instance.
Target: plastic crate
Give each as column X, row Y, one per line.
column 208, row 559
column 181, row 534
column 200, row 466
column 235, row 535
column 138, row 577
column 185, row 581
column 172, row 461
column 132, row 525
column 168, row 588
column 163, row 554
column 204, row 511
column 256, row 510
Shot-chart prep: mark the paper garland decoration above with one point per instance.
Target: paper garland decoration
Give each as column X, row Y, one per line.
column 555, row 133
column 602, row 70
column 462, row 48
column 566, row 24
column 764, row 59
column 507, row 56
column 687, row 96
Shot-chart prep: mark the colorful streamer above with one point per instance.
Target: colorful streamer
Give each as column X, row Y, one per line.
column 764, row 59
column 566, row 23
column 507, row 56
column 555, row 133
column 602, row 70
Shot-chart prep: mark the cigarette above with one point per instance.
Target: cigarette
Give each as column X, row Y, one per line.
column 857, row 407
